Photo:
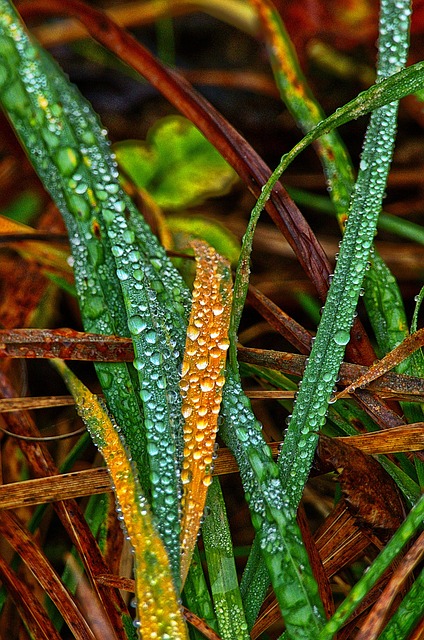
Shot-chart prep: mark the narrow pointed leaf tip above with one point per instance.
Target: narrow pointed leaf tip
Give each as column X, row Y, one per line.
column 202, row 379
column 158, row 612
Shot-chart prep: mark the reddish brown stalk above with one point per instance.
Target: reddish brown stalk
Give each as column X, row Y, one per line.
column 372, row 626
column 280, row 321
column 30, row 610
column 392, row 359
column 34, row 558
column 66, row 344
column 233, row 147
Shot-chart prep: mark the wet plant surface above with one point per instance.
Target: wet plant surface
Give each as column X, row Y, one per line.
column 231, row 352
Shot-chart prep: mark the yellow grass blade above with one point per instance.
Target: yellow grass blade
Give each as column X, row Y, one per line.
column 158, row 611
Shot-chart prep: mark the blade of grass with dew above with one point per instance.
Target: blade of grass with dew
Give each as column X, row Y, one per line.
column 196, row 594
column 119, row 266
column 158, row 610
column 408, row 613
column 334, row 330
column 221, row 567
column 333, row 333
column 202, row 379
column 279, row 537
column 58, row 167
column 402, row 536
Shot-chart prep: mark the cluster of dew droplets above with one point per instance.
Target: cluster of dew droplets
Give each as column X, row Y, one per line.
column 202, row 380
column 260, row 475
column 157, row 364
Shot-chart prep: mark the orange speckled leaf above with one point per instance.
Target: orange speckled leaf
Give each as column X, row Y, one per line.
column 158, row 613
column 201, row 385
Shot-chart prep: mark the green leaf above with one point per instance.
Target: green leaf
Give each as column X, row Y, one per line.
column 186, row 227
column 222, row 568
column 176, row 165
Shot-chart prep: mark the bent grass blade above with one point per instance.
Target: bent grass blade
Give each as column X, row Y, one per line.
column 158, row 610
column 202, row 379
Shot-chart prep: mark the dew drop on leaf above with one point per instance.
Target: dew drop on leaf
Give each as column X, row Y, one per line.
column 341, row 337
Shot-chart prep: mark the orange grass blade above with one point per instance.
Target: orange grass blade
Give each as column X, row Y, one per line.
column 158, row 611
column 201, row 386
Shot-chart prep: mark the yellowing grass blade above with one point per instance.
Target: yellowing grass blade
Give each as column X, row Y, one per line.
column 201, row 385
column 158, row 612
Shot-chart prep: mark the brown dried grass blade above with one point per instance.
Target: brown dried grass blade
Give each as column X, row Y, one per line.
column 66, row 344
column 30, row 610
column 339, row 540
column 392, row 359
column 84, row 483
column 404, row 438
column 299, row 337
column 34, row 558
column 54, row 488
column 389, row 383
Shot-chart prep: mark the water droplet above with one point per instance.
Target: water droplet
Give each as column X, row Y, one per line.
column 67, row 159
column 206, row 384
column 341, row 337
column 136, row 324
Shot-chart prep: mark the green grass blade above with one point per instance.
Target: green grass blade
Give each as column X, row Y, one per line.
column 222, row 569
column 387, row 555
column 408, row 613
column 124, row 280
column 274, row 520
column 254, row 583
column 309, row 413
column 333, row 333
column 196, row 594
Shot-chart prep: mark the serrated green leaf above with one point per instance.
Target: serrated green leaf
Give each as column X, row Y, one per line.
column 176, row 165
